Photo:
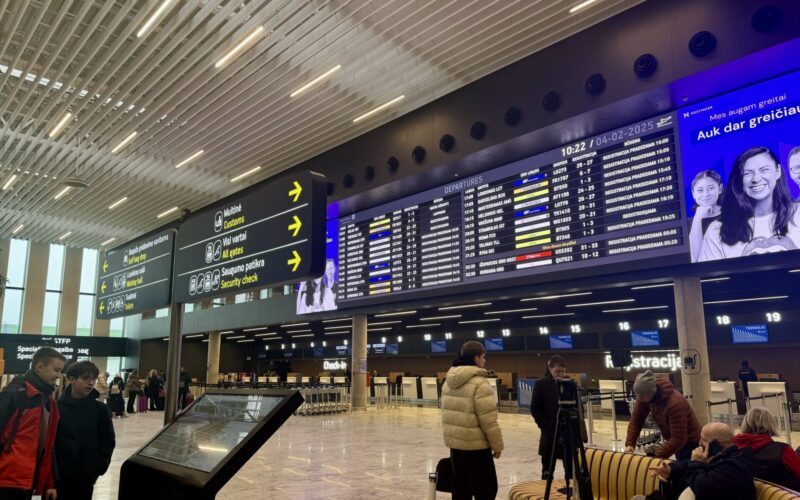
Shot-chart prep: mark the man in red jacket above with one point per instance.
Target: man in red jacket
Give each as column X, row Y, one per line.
column 29, row 420
column 675, row 418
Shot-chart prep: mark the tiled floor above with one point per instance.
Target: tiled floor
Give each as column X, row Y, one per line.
column 373, row 454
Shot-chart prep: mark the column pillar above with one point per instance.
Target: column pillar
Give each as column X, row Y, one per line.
column 358, row 380
column 35, row 283
column 690, row 320
column 70, row 292
column 212, row 368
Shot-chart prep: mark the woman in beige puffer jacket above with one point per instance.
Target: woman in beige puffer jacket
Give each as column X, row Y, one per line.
column 469, row 424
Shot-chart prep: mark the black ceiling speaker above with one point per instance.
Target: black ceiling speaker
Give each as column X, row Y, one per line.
column 330, row 188
column 478, row 130
column 645, row 65
column 767, row 19
column 551, row 101
column 418, row 154
column 512, row 116
column 595, row 84
column 348, row 181
column 447, row 142
column 369, row 172
column 392, row 164
column 702, row 43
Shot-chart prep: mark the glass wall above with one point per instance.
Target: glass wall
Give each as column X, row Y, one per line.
column 12, row 302
column 86, row 300
column 52, row 296
column 115, row 330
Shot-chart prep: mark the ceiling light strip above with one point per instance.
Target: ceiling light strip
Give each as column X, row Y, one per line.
column 125, row 142
column 399, row 313
column 61, row 193
column 18, row 229
column 490, row 320
column 424, row 326
column 548, row 315
column 602, row 303
column 118, row 203
column 435, row 318
column 511, row 311
column 166, row 212
column 245, row 44
column 752, row 299
column 316, row 81
column 60, row 125
column 378, row 109
column 193, row 157
column 260, row 328
column 110, row 240
column 713, row 280
column 290, row 325
column 9, row 182
column 552, row 297
column 336, row 320
column 249, row 172
column 657, row 285
column 235, row 337
column 151, row 21
column 581, row 6
column 385, row 323
column 629, row 309
column 465, row 306
column 64, row 236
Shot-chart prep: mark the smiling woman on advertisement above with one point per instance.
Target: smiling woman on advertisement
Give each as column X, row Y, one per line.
column 758, row 215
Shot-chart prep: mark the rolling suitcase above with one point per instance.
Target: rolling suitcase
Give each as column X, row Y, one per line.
column 142, row 402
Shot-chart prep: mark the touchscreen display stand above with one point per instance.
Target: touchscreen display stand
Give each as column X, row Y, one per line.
column 196, row 454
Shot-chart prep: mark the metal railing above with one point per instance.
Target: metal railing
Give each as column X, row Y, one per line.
column 729, row 402
column 785, row 413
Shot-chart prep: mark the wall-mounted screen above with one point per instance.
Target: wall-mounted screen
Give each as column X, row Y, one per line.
column 438, row 346
column 749, row 334
column 378, row 348
column 392, row 349
column 648, row 338
column 607, row 199
column 493, row 344
column 319, row 352
column 343, row 350
column 560, row 341
column 742, row 170
column 320, row 294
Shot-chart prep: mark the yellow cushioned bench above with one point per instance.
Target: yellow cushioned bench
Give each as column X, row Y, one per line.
column 616, row 475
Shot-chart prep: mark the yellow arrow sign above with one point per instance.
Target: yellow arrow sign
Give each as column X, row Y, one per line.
column 102, row 307
column 295, row 226
column 105, row 265
column 103, row 287
column 296, row 191
column 294, row 260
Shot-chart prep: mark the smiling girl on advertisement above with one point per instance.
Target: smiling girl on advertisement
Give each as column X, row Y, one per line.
column 707, row 193
column 758, row 215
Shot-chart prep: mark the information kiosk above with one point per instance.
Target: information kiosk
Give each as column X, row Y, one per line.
column 195, row 455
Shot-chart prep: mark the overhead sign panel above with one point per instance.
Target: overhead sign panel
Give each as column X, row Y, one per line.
column 135, row 277
column 272, row 235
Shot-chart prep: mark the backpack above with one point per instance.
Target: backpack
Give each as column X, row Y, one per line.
column 114, row 389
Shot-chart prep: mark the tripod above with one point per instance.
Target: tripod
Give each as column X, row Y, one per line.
column 568, row 431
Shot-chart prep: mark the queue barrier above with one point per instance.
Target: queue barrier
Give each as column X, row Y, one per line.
column 784, row 416
column 729, row 402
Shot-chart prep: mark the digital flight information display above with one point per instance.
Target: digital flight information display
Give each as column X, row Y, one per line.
column 611, row 198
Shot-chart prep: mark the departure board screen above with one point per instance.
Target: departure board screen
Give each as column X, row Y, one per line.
column 612, row 198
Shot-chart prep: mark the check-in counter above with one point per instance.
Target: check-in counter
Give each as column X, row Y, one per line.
column 325, row 380
column 274, row 379
column 340, row 380
column 305, row 380
column 430, row 388
column 606, row 387
column 774, row 405
column 410, row 389
column 262, row 381
column 722, row 391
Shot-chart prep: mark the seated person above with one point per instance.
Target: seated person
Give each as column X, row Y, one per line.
column 773, row 461
column 675, row 419
column 717, row 469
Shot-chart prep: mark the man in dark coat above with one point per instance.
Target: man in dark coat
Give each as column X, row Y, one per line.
column 544, row 408
column 85, row 439
column 747, row 374
column 717, row 468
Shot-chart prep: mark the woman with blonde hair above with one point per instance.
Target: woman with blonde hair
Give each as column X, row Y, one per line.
column 773, row 461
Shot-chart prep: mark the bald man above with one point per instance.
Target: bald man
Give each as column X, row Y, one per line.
column 716, row 470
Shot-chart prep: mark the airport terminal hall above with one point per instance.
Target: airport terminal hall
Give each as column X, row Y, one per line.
column 399, row 249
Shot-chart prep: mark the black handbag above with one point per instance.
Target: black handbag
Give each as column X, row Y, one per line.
column 444, row 475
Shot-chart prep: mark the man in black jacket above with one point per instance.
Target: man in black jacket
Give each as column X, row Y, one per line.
column 85, row 439
column 544, row 409
column 717, row 469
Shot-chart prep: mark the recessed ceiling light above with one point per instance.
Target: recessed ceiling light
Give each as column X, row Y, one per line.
column 752, row 299
column 240, row 47
column 187, row 160
column 581, row 5
column 588, row 304
column 110, row 240
column 379, row 109
column 9, row 182
column 316, row 81
column 60, row 125
column 465, row 306
column 629, row 309
column 64, row 236
column 552, row 297
column 166, row 212
column 125, row 142
column 151, row 21
column 249, row 172
column 61, row 193
column 118, row 203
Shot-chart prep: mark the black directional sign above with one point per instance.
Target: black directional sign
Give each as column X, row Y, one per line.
column 135, row 277
column 274, row 234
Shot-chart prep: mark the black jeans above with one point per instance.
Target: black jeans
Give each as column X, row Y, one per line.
column 69, row 490
column 473, row 474
column 131, row 400
column 117, row 404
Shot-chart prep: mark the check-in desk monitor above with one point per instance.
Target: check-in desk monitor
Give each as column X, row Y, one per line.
column 196, row 454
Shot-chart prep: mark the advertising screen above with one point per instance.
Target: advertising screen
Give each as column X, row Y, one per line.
column 320, row 294
column 651, row 338
column 741, row 165
column 438, row 346
column 560, row 341
column 493, row 344
column 749, row 334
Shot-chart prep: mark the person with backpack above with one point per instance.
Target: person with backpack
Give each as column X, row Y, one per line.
column 28, row 423
column 115, row 396
column 85, row 439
